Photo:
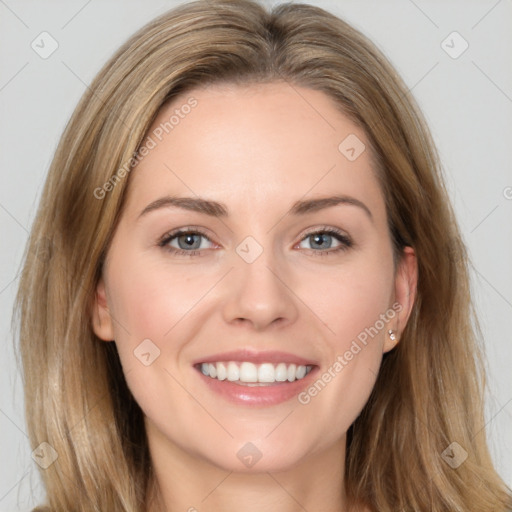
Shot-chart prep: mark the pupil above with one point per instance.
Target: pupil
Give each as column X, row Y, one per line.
column 321, row 240
column 189, row 241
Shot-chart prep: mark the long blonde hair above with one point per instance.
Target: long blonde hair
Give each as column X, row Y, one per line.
column 430, row 388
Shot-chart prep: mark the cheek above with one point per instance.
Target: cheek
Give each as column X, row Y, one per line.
column 351, row 298
column 150, row 300
column 150, row 308
column 154, row 310
column 354, row 302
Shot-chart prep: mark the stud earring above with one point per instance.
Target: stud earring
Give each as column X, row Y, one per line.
column 392, row 335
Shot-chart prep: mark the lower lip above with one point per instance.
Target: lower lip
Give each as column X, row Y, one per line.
column 265, row 395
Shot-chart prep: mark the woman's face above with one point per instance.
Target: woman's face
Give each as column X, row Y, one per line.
column 254, row 238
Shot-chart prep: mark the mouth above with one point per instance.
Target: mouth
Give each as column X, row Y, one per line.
column 246, row 373
column 256, row 378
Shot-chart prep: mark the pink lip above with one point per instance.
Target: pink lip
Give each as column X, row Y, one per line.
column 262, row 396
column 266, row 395
column 256, row 357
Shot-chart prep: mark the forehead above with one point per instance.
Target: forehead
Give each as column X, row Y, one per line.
column 254, row 144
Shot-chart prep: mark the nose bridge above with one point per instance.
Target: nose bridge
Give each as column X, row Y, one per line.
column 258, row 294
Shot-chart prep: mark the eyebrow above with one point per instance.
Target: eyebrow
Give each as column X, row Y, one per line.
column 216, row 209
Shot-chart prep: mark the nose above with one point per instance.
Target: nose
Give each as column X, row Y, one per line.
column 258, row 295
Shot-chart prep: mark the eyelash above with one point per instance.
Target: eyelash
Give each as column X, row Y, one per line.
column 345, row 241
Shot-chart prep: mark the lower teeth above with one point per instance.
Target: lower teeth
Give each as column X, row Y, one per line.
column 255, row 384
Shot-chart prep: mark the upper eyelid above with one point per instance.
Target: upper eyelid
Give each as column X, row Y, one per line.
column 199, row 231
column 183, row 231
column 322, row 229
column 342, row 236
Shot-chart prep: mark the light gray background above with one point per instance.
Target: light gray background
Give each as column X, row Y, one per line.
column 467, row 102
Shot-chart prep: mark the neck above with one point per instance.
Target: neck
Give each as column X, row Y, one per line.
column 183, row 482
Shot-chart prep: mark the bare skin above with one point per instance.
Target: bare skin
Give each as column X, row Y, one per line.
column 257, row 150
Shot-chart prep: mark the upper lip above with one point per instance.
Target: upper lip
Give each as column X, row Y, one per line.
column 256, row 357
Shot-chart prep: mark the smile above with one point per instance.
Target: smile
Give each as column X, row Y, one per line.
column 247, row 373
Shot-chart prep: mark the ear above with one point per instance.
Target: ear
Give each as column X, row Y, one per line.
column 406, row 280
column 101, row 318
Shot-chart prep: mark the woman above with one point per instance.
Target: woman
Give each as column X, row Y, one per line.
column 197, row 334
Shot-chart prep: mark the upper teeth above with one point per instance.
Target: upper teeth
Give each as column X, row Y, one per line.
column 249, row 372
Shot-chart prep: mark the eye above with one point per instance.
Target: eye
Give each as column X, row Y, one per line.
column 326, row 241
column 190, row 242
column 185, row 242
